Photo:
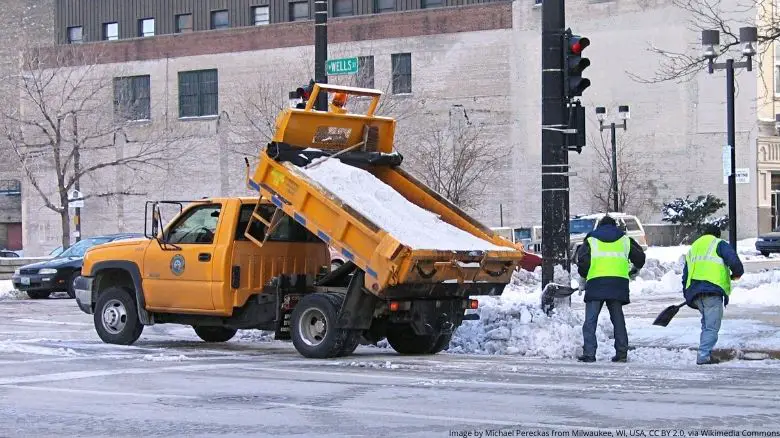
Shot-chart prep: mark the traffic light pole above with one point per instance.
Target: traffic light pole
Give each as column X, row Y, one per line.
column 555, row 180
column 321, row 50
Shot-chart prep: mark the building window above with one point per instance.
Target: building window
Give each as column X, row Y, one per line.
column 402, row 73
column 342, row 8
column 131, row 98
column 219, row 19
column 299, row 11
column 111, row 31
column 184, row 23
column 260, row 15
column 365, row 74
column 425, row 4
column 75, row 35
column 146, row 27
column 384, row 6
column 198, row 93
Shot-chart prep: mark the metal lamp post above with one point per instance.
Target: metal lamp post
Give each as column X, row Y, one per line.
column 624, row 114
column 710, row 40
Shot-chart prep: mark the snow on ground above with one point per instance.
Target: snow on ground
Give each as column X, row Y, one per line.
column 7, row 291
column 389, row 210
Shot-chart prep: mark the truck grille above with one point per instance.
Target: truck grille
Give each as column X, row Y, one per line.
column 28, row 271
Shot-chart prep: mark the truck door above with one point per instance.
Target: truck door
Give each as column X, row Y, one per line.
column 181, row 279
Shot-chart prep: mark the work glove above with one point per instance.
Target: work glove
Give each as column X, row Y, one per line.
column 633, row 273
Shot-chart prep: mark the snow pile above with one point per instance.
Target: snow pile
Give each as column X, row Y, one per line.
column 161, row 357
column 757, row 290
column 381, row 204
column 7, row 291
column 29, row 347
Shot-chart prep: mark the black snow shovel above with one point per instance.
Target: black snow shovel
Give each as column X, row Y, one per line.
column 665, row 317
column 553, row 292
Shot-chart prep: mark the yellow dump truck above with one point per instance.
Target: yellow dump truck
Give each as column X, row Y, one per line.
column 328, row 178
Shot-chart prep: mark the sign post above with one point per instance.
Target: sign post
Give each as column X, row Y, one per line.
column 76, row 201
column 342, row 66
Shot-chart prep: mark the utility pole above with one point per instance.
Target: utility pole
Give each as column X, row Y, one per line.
column 76, row 171
column 321, row 50
column 710, row 39
column 555, row 159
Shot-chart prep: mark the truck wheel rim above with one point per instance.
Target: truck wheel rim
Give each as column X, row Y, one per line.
column 114, row 316
column 312, row 326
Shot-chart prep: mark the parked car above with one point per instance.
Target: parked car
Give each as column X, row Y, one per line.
column 40, row 279
column 56, row 251
column 581, row 225
column 769, row 242
column 7, row 253
column 525, row 236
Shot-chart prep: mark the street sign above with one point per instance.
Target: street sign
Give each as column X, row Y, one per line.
column 74, row 199
column 742, row 176
column 342, row 66
column 726, row 164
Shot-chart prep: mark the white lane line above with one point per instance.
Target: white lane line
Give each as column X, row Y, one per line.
column 93, row 392
column 44, row 321
column 74, row 375
column 445, row 419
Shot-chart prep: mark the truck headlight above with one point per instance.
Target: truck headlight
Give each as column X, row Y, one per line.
column 47, row 271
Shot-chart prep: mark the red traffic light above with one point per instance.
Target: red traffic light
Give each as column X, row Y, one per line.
column 578, row 44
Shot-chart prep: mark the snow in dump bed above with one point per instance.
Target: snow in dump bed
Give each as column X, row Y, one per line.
column 381, row 204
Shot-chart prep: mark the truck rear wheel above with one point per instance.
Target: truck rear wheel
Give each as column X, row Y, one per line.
column 215, row 334
column 116, row 317
column 404, row 340
column 313, row 327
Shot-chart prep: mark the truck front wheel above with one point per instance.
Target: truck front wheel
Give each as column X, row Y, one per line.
column 404, row 340
column 215, row 334
column 116, row 317
column 313, row 327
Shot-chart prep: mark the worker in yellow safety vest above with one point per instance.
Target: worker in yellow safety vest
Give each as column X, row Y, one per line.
column 605, row 260
column 710, row 265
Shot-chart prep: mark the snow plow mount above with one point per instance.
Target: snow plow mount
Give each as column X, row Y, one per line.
column 490, row 267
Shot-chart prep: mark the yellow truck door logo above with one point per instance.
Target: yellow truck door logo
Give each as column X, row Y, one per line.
column 177, row 264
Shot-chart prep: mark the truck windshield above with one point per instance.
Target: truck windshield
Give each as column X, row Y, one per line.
column 581, row 226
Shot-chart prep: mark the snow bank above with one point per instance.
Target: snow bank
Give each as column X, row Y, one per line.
column 7, row 291
column 414, row 226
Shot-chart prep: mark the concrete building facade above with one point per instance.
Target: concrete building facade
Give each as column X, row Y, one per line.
column 482, row 60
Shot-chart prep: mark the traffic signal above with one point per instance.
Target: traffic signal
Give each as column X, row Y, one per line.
column 574, row 64
column 575, row 142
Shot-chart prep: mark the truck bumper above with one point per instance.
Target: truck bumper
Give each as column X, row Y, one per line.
column 83, row 289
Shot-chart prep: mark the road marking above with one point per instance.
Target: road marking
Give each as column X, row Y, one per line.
column 446, row 419
column 94, row 392
column 46, row 321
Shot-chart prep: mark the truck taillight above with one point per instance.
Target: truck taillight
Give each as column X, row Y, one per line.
column 394, row 305
column 473, row 304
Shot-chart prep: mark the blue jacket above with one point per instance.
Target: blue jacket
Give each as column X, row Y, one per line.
column 698, row 287
column 607, row 288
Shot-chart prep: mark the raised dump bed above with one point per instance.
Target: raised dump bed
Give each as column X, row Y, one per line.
column 337, row 175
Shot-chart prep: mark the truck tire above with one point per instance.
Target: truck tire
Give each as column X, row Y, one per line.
column 312, row 327
column 37, row 294
column 72, row 284
column 116, row 317
column 215, row 334
column 404, row 340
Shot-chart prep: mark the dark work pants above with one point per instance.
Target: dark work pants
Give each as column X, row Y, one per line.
column 592, row 310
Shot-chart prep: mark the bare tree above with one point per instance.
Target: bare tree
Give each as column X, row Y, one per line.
column 629, row 174
column 726, row 16
column 71, row 126
column 457, row 160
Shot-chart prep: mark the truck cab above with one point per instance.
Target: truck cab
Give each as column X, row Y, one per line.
column 199, row 269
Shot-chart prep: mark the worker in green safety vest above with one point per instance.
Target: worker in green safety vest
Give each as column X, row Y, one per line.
column 605, row 260
column 710, row 265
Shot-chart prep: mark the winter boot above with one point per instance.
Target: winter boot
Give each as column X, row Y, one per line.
column 620, row 358
column 709, row 361
column 585, row 358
